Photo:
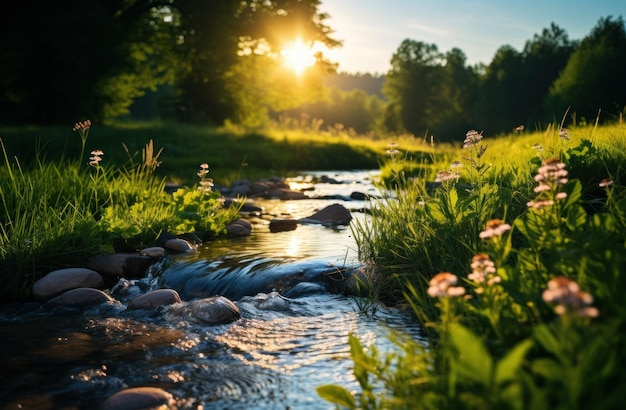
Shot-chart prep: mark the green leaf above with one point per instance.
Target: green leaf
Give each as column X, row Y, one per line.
column 337, row 395
column 360, row 361
column 548, row 368
column 507, row 367
column 576, row 218
column 545, row 337
column 474, row 361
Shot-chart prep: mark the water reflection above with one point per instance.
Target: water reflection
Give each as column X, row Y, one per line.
column 274, row 357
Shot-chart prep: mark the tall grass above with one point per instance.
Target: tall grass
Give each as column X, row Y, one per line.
column 56, row 213
column 514, row 266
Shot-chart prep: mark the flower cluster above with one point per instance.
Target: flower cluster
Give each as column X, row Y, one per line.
column 95, row 158
column 82, row 126
column 564, row 134
column 483, row 271
column 206, row 183
column 551, row 176
column 472, row 137
column 606, row 182
column 452, row 173
column 392, row 150
column 443, row 284
column 568, row 297
column 495, row 228
column 443, row 176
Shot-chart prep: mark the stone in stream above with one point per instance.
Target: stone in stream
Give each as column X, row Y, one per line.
column 81, row 297
column 59, row 281
column 159, row 297
column 120, row 265
column 283, row 224
column 140, row 398
column 240, row 227
column 335, row 214
column 178, row 245
column 215, row 310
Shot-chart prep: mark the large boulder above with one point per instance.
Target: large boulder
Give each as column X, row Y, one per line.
column 62, row 280
column 335, row 214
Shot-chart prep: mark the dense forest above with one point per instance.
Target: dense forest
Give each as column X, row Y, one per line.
column 218, row 61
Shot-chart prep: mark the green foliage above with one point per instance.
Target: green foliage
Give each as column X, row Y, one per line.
column 597, row 61
column 56, row 214
column 542, row 317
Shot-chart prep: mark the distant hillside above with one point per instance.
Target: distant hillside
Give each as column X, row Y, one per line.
column 367, row 82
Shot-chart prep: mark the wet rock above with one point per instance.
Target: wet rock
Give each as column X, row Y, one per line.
column 335, row 214
column 285, row 194
column 240, row 227
column 153, row 252
column 120, row 265
column 283, row 224
column 178, row 245
column 59, row 281
column 269, row 301
column 80, row 297
column 212, row 311
column 159, row 297
column 140, row 398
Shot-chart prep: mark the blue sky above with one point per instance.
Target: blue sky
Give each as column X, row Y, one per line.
column 372, row 30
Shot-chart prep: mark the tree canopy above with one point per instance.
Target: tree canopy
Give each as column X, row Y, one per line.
column 219, row 60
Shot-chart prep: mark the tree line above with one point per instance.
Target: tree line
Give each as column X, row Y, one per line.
column 216, row 61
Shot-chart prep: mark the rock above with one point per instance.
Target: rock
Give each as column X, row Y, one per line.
column 80, row 297
column 283, row 224
column 120, row 265
column 159, row 297
column 212, row 311
column 140, row 398
column 240, row 227
column 59, row 281
column 153, row 252
column 285, row 194
column 335, row 214
column 178, row 245
column 269, row 301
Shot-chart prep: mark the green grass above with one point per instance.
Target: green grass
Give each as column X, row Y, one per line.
column 56, row 213
column 231, row 153
column 506, row 342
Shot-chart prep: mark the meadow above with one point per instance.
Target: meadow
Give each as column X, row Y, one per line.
column 508, row 249
column 513, row 263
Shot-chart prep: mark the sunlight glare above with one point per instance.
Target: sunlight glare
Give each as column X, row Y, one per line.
column 298, row 56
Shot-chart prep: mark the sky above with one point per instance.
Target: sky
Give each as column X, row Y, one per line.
column 372, row 30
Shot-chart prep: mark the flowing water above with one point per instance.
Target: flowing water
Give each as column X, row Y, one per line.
column 273, row 358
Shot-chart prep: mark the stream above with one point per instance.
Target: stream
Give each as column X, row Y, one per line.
column 274, row 357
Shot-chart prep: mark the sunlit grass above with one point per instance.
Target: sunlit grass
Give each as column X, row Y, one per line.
column 537, row 312
column 56, row 213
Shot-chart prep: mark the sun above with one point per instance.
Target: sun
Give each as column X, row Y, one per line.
column 298, row 56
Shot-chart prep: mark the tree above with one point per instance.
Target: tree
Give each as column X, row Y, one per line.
column 544, row 57
column 498, row 107
column 62, row 61
column 412, row 87
column 593, row 78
